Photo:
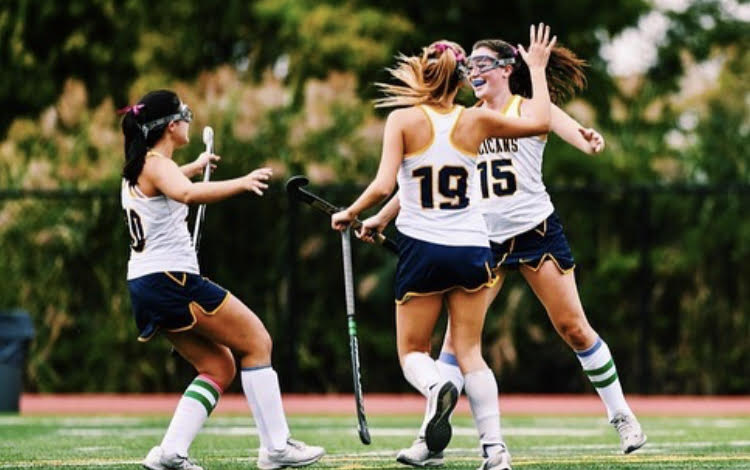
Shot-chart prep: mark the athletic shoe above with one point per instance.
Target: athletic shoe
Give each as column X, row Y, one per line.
column 418, row 455
column 296, row 454
column 440, row 404
column 631, row 434
column 500, row 460
column 158, row 460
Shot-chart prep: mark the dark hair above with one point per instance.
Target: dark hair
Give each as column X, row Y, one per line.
column 564, row 71
column 153, row 105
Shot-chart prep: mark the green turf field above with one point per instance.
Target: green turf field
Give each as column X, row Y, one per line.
column 558, row 443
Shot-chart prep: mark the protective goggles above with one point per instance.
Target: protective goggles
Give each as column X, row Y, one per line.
column 485, row 63
column 182, row 114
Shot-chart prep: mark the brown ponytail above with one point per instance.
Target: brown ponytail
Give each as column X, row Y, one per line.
column 565, row 75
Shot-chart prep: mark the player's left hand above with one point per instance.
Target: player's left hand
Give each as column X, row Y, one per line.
column 595, row 139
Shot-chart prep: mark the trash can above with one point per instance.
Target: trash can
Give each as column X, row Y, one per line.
column 16, row 332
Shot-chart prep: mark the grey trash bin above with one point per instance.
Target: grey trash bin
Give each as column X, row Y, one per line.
column 16, row 332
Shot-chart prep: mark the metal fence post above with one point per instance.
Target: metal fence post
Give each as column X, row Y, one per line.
column 646, row 282
column 290, row 345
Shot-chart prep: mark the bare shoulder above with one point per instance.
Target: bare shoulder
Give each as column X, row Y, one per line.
column 406, row 116
column 158, row 165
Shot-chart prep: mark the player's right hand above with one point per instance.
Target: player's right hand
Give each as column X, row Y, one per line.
column 540, row 47
column 255, row 180
column 205, row 158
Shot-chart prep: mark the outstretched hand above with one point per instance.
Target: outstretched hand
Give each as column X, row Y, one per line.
column 540, row 47
column 255, row 181
column 595, row 139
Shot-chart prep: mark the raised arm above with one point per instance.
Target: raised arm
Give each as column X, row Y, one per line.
column 538, row 119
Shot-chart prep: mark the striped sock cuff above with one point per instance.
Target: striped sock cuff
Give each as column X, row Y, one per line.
column 205, row 391
column 604, row 375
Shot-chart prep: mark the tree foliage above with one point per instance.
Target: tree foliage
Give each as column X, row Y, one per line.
column 656, row 223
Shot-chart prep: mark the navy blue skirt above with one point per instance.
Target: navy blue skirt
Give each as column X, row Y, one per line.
column 426, row 268
column 163, row 300
column 532, row 248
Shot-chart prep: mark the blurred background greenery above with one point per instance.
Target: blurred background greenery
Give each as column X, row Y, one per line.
column 658, row 222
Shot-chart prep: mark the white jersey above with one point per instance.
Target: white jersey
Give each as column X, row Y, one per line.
column 159, row 237
column 436, row 186
column 514, row 198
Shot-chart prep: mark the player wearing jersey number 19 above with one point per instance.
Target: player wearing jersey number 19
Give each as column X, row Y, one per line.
column 203, row 321
column 525, row 233
column 430, row 148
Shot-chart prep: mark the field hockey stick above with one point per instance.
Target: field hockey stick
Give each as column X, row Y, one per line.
column 295, row 190
column 346, row 248
column 208, row 140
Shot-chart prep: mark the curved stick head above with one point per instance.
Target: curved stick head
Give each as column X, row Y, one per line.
column 296, row 182
column 208, row 136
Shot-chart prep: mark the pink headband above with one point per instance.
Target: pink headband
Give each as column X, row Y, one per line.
column 136, row 108
column 441, row 47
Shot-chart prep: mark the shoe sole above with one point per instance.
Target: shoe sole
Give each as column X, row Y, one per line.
column 302, row 463
column 425, row 463
column 438, row 432
column 635, row 447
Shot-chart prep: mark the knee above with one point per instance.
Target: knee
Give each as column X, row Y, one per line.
column 410, row 345
column 221, row 369
column 577, row 333
column 258, row 349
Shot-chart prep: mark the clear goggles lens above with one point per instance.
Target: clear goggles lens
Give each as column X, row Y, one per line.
column 183, row 114
column 485, row 63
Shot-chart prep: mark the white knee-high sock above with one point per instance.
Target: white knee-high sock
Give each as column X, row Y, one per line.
column 197, row 403
column 600, row 368
column 420, row 371
column 448, row 367
column 482, row 391
column 261, row 387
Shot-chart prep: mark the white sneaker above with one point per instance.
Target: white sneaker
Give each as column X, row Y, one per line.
column 158, row 460
column 440, row 404
column 629, row 429
column 418, row 455
column 500, row 460
column 296, row 454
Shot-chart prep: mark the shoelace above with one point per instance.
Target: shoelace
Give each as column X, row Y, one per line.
column 184, row 462
column 295, row 443
column 622, row 424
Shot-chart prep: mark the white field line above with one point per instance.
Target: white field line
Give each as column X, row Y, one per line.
column 346, row 458
column 378, row 432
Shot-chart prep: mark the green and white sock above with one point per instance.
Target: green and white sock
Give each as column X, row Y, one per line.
column 600, row 368
column 197, row 403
